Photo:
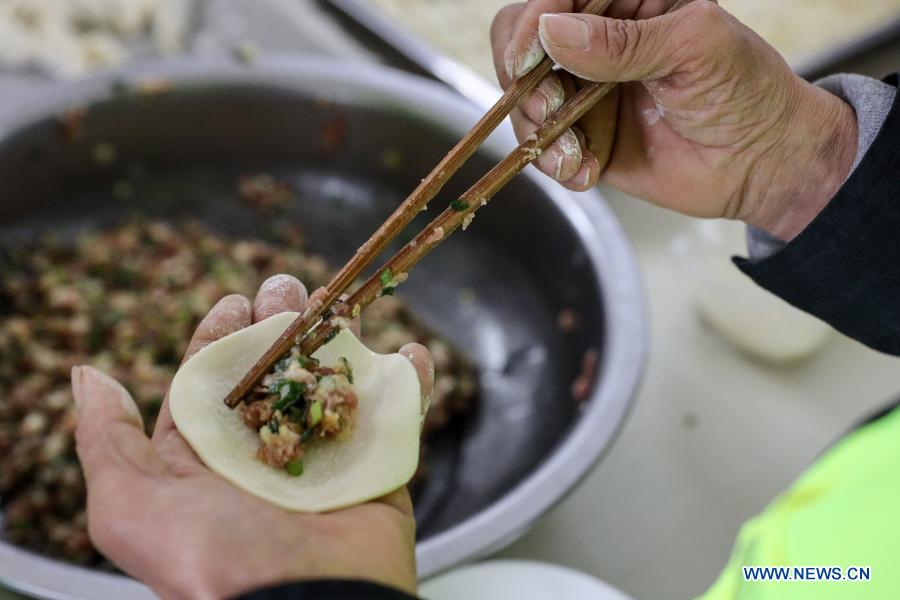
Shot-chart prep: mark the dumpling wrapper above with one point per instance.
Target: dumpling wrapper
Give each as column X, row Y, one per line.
column 380, row 455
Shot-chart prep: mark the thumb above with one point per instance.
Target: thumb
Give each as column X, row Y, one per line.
column 110, row 435
column 604, row 49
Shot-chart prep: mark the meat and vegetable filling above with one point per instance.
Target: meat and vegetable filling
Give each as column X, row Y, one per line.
column 298, row 403
column 126, row 300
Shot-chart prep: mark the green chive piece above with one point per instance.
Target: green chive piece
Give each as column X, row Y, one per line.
column 392, row 159
column 331, row 335
column 306, row 435
column 289, row 392
column 283, row 364
column 307, row 362
column 347, row 366
column 388, row 291
column 459, row 205
column 315, row 414
column 294, row 468
column 385, row 277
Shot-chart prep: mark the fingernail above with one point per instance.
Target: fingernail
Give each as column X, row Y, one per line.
column 568, row 141
column 546, row 99
column 560, row 161
column 553, row 90
column 564, row 31
column 563, row 158
column 281, row 289
column 91, row 385
column 537, row 108
column 520, row 63
column 78, row 386
column 586, row 180
column 552, row 161
column 510, row 63
column 571, row 149
column 277, row 283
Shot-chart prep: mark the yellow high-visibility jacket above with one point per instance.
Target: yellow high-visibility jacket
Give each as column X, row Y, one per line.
column 843, row 512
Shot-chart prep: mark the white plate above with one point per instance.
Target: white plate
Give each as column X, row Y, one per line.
column 517, row 580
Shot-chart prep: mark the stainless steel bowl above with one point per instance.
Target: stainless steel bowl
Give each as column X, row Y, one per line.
column 535, row 251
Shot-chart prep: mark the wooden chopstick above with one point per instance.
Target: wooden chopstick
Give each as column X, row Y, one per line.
column 399, row 219
column 463, row 210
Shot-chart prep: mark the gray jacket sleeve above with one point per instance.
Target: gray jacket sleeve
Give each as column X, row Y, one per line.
column 872, row 101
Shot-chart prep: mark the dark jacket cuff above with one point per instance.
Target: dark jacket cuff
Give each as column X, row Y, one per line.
column 845, row 266
column 328, row 590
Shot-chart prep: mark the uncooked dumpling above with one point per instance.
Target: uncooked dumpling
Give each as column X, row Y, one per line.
column 380, row 455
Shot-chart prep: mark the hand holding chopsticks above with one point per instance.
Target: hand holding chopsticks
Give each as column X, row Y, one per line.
column 314, row 327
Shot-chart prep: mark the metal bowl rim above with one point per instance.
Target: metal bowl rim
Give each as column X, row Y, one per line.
column 623, row 353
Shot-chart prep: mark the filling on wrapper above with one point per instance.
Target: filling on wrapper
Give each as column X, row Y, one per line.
column 299, row 403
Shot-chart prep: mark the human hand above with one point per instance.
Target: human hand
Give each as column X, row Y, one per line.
column 711, row 122
column 160, row 515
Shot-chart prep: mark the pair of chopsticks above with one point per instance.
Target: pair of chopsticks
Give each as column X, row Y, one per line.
column 314, row 326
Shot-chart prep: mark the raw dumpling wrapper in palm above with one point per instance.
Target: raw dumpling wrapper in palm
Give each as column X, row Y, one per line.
column 380, row 455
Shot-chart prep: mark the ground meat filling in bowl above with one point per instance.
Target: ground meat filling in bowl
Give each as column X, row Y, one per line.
column 299, row 403
column 126, row 299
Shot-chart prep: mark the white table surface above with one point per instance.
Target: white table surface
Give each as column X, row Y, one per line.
column 713, row 436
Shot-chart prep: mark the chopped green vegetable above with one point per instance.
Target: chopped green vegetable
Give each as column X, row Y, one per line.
column 21, row 525
column 386, row 277
column 123, row 190
column 307, row 362
column 331, row 335
column 388, row 291
column 123, row 277
column 289, row 392
column 273, row 426
column 392, row 159
column 343, row 360
column 315, row 414
column 296, row 414
column 282, row 404
column 459, row 205
column 284, row 363
column 294, row 468
column 306, row 435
